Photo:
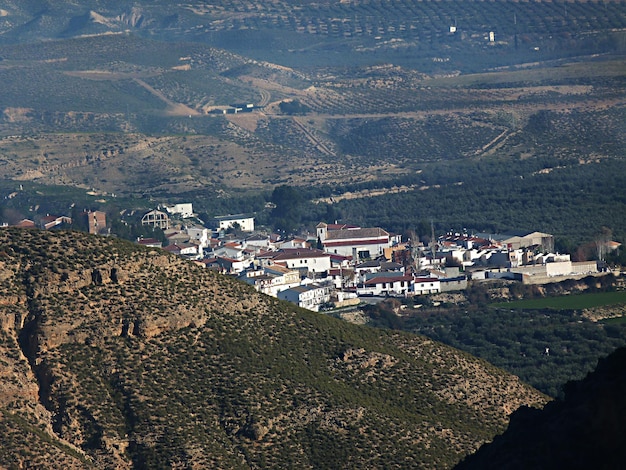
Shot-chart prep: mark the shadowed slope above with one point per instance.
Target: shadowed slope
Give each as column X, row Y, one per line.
column 584, row 430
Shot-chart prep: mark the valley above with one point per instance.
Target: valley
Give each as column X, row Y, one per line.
column 422, row 117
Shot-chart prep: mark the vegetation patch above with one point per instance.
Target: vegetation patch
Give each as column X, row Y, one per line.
column 568, row 302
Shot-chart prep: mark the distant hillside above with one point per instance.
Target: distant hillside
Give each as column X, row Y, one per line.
column 115, row 356
column 437, row 35
column 135, row 100
column 585, row 430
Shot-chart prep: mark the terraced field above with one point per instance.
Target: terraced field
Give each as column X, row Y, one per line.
column 385, row 95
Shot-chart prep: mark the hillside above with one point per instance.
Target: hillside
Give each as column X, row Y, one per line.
column 103, row 95
column 584, row 430
column 121, row 357
column 351, row 101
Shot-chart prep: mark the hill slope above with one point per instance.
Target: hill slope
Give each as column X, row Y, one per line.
column 120, row 357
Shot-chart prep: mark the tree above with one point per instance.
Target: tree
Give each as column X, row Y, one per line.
column 79, row 220
column 293, row 107
column 602, row 242
column 287, row 214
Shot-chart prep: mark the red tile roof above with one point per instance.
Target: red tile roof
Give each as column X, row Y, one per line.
column 369, row 241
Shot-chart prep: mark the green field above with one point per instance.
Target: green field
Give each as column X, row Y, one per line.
column 569, row 302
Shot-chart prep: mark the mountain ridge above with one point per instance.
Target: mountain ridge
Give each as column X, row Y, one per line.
column 130, row 358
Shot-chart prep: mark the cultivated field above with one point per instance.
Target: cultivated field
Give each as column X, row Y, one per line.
column 351, row 101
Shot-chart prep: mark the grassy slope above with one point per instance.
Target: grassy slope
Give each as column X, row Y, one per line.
column 145, row 358
column 580, row 301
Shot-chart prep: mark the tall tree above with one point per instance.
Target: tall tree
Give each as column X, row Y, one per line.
column 287, row 214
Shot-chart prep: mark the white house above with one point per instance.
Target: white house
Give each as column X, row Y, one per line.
column 231, row 250
column 186, row 250
column 150, row 242
column 244, row 222
column 309, row 259
column 386, row 285
column 229, row 265
column 258, row 242
column 185, row 210
column 272, row 279
column 376, row 266
column 365, row 243
column 311, row 296
column 292, row 243
column 426, row 285
column 341, row 277
column 200, row 234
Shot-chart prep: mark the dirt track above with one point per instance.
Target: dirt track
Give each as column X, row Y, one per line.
column 173, row 109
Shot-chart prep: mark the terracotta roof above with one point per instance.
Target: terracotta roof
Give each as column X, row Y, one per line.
column 349, row 234
column 369, row 241
column 337, row 257
column 278, row 268
column 25, row 223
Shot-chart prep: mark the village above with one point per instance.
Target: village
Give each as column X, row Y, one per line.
column 340, row 265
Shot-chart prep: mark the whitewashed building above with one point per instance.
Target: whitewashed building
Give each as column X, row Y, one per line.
column 426, row 285
column 364, row 243
column 311, row 296
column 245, row 223
column 385, row 285
column 184, row 210
column 311, row 260
column 199, row 234
column 272, row 279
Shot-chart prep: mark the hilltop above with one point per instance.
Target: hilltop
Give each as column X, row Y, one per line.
column 117, row 356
